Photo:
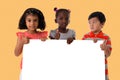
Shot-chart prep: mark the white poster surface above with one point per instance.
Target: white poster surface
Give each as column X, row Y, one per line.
column 57, row 60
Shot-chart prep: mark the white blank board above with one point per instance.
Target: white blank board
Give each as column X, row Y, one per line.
column 57, row 60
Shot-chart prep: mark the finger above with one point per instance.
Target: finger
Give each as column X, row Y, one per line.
column 101, row 46
column 43, row 39
column 105, row 41
column 57, row 31
column 26, row 37
column 23, row 35
column 94, row 40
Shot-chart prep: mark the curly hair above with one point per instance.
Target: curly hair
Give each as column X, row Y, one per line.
column 65, row 11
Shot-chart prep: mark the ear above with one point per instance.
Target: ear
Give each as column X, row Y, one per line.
column 68, row 21
column 102, row 24
column 55, row 20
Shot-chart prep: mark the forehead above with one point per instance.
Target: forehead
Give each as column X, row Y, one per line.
column 94, row 19
column 31, row 16
column 63, row 14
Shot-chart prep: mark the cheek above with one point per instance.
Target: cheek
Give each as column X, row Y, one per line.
column 27, row 24
column 36, row 23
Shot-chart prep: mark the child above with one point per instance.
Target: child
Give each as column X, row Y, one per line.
column 62, row 32
column 96, row 22
column 31, row 20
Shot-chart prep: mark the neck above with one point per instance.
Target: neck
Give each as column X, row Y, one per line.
column 97, row 32
column 63, row 30
column 32, row 32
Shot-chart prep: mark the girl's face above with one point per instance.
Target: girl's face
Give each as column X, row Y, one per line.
column 31, row 22
column 95, row 25
column 62, row 19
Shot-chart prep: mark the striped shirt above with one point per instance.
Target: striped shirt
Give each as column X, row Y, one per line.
column 100, row 36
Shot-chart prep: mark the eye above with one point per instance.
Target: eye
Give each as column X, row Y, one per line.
column 29, row 20
column 60, row 18
column 35, row 20
column 66, row 18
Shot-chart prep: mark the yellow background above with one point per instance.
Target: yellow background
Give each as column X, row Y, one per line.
column 11, row 11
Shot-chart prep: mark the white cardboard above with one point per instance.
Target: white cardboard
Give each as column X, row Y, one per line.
column 57, row 60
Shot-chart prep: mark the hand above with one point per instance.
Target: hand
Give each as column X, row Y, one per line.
column 105, row 48
column 25, row 39
column 57, row 36
column 70, row 40
column 19, row 45
column 43, row 39
column 94, row 40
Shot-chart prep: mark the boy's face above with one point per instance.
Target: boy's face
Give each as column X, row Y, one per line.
column 95, row 25
column 62, row 19
column 31, row 22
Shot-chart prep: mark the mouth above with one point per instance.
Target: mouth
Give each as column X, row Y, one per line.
column 92, row 28
column 32, row 27
column 64, row 24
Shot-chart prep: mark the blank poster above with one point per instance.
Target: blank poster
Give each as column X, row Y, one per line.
column 57, row 60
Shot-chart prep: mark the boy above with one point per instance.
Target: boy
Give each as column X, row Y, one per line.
column 96, row 22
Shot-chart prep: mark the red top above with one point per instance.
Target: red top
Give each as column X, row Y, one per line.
column 37, row 35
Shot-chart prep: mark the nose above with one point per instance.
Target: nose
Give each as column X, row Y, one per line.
column 64, row 21
column 32, row 23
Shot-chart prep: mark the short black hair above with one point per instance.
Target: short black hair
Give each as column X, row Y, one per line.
column 33, row 11
column 99, row 15
column 65, row 11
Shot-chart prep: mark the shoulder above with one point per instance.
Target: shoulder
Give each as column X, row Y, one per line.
column 43, row 33
column 85, row 36
column 20, row 33
column 71, row 31
column 52, row 31
column 106, row 36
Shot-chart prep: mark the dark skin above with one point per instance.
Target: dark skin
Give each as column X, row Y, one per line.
column 62, row 20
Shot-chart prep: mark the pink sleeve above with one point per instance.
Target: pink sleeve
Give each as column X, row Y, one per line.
column 44, row 34
column 19, row 34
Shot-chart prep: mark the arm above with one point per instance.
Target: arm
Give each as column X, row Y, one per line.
column 19, row 45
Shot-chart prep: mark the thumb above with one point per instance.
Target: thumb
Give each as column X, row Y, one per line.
column 57, row 31
column 94, row 40
column 105, row 42
column 25, row 37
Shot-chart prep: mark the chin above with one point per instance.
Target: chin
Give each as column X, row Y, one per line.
column 93, row 31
